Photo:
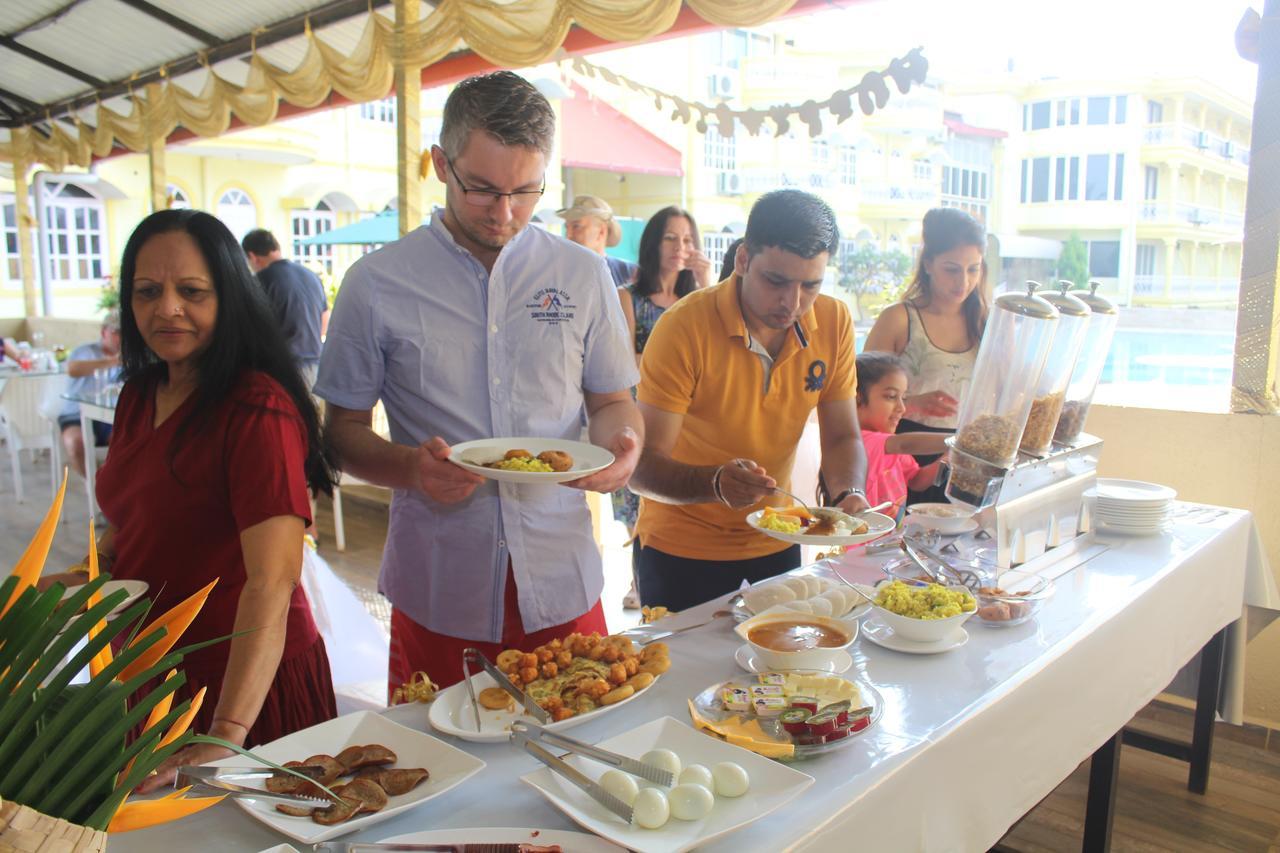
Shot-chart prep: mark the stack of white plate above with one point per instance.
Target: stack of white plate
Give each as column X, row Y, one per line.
column 1131, row 506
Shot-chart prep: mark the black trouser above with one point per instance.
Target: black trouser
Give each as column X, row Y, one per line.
column 933, row 494
column 679, row 583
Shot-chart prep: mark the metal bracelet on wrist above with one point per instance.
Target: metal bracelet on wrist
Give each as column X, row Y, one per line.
column 840, row 498
column 715, row 485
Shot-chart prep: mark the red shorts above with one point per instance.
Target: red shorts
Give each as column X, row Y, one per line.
column 415, row 648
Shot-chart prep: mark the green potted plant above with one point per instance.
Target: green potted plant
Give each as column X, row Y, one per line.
column 67, row 762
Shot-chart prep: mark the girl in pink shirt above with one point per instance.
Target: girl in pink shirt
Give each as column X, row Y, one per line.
column 891, row 468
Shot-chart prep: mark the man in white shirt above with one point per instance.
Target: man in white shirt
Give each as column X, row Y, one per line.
column 84, row 362
column 476, row 326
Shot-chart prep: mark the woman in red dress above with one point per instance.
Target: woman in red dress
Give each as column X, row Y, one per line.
column 216, row 442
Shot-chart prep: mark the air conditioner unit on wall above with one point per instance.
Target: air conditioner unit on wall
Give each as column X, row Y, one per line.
column 1202, row 140
column 1228, row 149
column 729, row 183
column 722, row 84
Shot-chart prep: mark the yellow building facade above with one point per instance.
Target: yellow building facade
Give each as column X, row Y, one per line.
column 1150, row 173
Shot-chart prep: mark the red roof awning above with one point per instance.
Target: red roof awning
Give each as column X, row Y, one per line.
column 597, row 136
column 959, row 127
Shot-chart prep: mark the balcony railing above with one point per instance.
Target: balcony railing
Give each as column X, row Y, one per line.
column 1202, row 140
column 908, row 191
column 744, row 181
column 1187, row 288
column 1191, row 214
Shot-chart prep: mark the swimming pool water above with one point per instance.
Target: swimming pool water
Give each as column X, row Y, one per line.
column 1164, row 357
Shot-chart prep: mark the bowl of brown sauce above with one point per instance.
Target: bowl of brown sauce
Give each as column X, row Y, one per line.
column 793, row 640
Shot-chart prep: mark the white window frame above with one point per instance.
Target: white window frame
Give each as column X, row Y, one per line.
column 307, row 222
column 383, row 111
column 719, row 152
column 714, row 247
column 10, row 259
column 177, row 197
column 75, row 227
column 238, row 212
column 847, row 164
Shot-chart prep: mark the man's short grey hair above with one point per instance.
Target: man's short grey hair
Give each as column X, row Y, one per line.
column 502, row 104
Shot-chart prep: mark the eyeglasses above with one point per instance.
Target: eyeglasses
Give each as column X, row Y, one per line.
column 486, row 198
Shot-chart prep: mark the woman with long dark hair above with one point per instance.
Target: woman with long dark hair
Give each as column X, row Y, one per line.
column 671, row 265
column 938, row 324
column 216, row 444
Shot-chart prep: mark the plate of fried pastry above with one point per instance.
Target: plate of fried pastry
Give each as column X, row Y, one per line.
column 530, row 460
column 377, row 767
column 573, row 680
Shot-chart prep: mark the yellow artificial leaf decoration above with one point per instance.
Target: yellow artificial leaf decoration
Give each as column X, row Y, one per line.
column 31, row 563
column 103, row 658
column 180, row 725
column 174, row 621
column 144, row 813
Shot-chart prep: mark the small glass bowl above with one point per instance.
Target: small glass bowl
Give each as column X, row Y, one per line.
column 1021, row 598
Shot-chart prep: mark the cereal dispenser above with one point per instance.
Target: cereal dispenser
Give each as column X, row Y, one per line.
column 1089, row 364
column 1017, row 339
column 1051, row 390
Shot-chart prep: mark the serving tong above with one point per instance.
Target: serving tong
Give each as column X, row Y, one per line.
column 527, row 735
column 473, row 656
column 922, row 556
column 220, row 778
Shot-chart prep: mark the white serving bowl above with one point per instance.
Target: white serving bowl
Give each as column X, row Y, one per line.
column 817, row 658
column 923, row 630
column 942, row 517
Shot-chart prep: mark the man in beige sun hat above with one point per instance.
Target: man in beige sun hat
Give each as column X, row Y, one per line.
column 589, row 222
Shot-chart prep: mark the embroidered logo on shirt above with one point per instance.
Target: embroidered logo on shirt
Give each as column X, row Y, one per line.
column 550, row 305
column 817, row 376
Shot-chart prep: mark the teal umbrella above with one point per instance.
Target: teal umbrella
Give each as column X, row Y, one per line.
column 383, row 228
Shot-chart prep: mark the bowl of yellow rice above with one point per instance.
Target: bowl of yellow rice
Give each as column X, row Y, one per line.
column 925, row 612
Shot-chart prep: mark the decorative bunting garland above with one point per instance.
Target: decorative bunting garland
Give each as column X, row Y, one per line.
column 872, row 94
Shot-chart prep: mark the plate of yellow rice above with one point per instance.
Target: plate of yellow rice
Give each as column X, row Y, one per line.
column 500, row 459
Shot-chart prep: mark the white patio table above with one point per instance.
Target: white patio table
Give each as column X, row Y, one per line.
column 970, row 739
column 99, row 405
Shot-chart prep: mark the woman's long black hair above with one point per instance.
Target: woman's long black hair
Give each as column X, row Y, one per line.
column 649, row 276
column 246, row 337
column 944, row 229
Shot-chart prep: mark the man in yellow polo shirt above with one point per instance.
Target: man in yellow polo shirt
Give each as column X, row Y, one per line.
column 727, row 381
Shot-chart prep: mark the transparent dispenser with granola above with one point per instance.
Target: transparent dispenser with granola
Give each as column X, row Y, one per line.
column 1051, row 390
column 1019, row 333
column 1088, row 370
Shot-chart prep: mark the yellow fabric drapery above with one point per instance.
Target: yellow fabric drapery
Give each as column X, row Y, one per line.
column 509, row 34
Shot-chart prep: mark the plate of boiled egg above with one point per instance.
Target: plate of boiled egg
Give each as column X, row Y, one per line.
column 720, row 788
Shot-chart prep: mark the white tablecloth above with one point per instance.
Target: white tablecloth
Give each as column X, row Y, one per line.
column 970, row 740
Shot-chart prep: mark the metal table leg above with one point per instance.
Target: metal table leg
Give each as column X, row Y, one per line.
column 1199, row 752
column 1100, row 804
column 90, row 459
column 1208, row 691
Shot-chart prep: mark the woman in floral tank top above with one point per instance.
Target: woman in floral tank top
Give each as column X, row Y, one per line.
column 938, row 324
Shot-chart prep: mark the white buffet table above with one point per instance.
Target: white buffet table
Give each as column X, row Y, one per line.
column 970, row 740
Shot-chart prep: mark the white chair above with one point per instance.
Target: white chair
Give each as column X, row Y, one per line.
column 24, row 427
column 339, row 531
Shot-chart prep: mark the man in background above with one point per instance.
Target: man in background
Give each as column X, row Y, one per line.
column 589, row 222
column 82, row 365
column 297, row 296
